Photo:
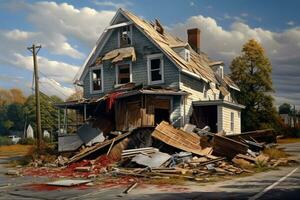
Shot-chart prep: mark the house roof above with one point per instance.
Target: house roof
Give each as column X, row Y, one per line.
column 199, row 65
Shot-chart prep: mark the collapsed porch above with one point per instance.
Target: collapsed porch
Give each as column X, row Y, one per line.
column 126, row 110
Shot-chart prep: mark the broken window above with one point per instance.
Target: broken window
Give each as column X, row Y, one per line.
column 125, row 36
column 123, row 73
column 155, row 69
column 96, row 79
column 232, row 121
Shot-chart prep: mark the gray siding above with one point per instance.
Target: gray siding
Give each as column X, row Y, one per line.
column 176, row 116
column 143, row 47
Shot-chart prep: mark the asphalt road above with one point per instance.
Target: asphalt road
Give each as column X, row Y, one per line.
column 276, row 184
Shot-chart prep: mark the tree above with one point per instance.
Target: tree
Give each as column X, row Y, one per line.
column 251, row 71
column 17, row 96
column 48, row 111
column 285, row 108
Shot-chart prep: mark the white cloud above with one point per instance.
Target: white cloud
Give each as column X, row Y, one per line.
column 84, row 24
column 60, row 29
column 290, row 23
column 224, row 44
column 59, row 71
column 244, row 14
column 192, row 3
column 52, row 87
column 17, row 34
column 113, row 4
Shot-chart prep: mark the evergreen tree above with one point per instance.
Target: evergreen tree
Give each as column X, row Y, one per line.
column 251, row 71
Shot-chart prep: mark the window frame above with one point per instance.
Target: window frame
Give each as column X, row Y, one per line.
column 152, row 57
column 117, row 72
column 92, row 91
column 232, row 121
column 119, row 36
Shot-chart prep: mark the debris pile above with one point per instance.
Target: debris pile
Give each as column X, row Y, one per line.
column 188, row 153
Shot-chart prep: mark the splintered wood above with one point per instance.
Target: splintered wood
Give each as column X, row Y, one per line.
column 228, row 147
column 178, row 138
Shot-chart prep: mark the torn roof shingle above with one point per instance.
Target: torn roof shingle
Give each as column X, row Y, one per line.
column 199, row 64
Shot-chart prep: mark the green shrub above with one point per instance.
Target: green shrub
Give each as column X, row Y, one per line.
column 27, row 141
column 5, row 141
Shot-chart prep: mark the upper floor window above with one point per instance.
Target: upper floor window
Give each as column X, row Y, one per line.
column 155, row 69
column 125, row 36
column 96, row 77
column 123, row 73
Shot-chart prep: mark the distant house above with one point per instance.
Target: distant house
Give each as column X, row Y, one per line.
column 138, row 75
column 289, row 120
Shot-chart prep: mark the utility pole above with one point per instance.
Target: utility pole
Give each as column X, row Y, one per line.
column 34, row 50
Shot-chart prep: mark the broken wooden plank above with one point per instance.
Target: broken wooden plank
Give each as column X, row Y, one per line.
column 111, row 145
column 228, row 147
column 248, row 158
column 90, row 150
column 68, row 182
column 178, row 138
column 267, row 136
column 211, row 161
column 130, row 188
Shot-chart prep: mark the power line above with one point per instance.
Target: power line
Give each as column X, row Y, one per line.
column 54, row 83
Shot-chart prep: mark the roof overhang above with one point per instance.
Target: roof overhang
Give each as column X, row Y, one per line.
column 235, row 88
column 161, row 92
column 219, row 102
column 194, row 75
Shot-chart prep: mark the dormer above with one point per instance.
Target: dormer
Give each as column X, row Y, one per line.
column 183, row 52
column 218, row 68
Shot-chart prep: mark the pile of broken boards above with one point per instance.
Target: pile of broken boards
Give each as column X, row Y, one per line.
column 188, row 153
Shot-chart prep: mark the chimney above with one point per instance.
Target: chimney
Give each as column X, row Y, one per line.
column 194, row 39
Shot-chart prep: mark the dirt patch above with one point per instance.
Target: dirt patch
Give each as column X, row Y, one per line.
column 14, row 150
column 288, row 140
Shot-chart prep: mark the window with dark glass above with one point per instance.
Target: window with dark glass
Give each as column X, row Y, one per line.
column 96, row 79
column 123, row 75
column 155, row 70
column 125, row 36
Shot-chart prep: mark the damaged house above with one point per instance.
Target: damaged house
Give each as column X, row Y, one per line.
column 138, row 75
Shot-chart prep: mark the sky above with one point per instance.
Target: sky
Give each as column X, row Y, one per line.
column 68, row 30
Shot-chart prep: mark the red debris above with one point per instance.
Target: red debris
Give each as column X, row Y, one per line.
column 69, row 171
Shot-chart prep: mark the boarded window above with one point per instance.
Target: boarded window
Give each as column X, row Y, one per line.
column 123, row 74
column 232, row 121
column 125, row 36
column 96, row 79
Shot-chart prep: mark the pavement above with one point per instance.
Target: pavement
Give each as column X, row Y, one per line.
column 283, row 183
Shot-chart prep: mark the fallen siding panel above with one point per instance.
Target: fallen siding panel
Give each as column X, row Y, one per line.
column 178, row 138
column 228, row 147
column 90, row 150
column 69, row 143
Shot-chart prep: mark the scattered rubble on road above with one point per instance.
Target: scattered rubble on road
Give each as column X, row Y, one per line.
column 189, row 153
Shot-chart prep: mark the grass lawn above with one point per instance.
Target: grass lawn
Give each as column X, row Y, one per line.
column 14, row 150
column 288, row 140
